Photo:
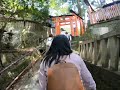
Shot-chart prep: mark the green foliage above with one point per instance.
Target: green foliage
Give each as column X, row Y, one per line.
column 82, row 9
column 87, row 36
column 26, row 9
column 58, row 7
column 61, row 7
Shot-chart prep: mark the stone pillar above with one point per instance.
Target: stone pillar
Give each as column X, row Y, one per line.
column 119, row 56
column 119, row 64
column 80, row 49
column 84, row 51
column 102, row 56
column 113, row 45
column 87, row 53
column 95, row 53
column 85, row 48
column 90, row 52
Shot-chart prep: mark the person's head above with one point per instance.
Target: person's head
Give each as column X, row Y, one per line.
column 50, row 35
column 66, row 32
column 60, row 46
column 62, row 29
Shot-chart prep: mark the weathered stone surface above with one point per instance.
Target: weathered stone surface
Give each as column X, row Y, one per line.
column 95, row 54
column 84, row 51
column 80, row 50
column 102, row 55
column 106, row 49
column 113, row 48
column 90, row 52
column 107, row 26
column 105, row 79
column 119, row 64
column 105, row 53
column 87, row 51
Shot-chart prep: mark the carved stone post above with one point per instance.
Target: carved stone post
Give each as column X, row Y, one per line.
column 95, row 52
column 87, row 53
column 102, row 56
column 90, row 52
column 113, row 53
column 82, row 50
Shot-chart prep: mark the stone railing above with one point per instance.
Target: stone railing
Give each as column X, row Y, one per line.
column 104, row 51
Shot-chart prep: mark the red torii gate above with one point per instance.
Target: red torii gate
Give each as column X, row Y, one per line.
column 69, row 20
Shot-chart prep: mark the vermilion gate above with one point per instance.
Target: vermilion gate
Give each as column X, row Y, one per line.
column 72, row 20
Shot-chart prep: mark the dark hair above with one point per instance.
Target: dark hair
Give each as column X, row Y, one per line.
column 66, row 32
column 50, row 35
column 62, row 29
column 60, row 46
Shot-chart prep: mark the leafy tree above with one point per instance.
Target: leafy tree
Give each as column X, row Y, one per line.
column 35, row 10
column 59, row 7
column 62, row 7
column 26, row 9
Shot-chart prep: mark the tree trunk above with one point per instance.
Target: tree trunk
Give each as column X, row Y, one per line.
column 79, row 8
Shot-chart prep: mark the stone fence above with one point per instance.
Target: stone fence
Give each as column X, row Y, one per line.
column 104, row 51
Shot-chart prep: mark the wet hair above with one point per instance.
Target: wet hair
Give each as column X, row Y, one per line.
column 60, row 46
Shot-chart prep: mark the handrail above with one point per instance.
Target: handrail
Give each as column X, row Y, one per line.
column 14, row 50
column 24, row 71
column 103, row 51
column 105, row 13
column 28, row 53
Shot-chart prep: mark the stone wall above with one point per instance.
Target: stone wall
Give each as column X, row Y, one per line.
column 27, row 33
column 105, row 27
